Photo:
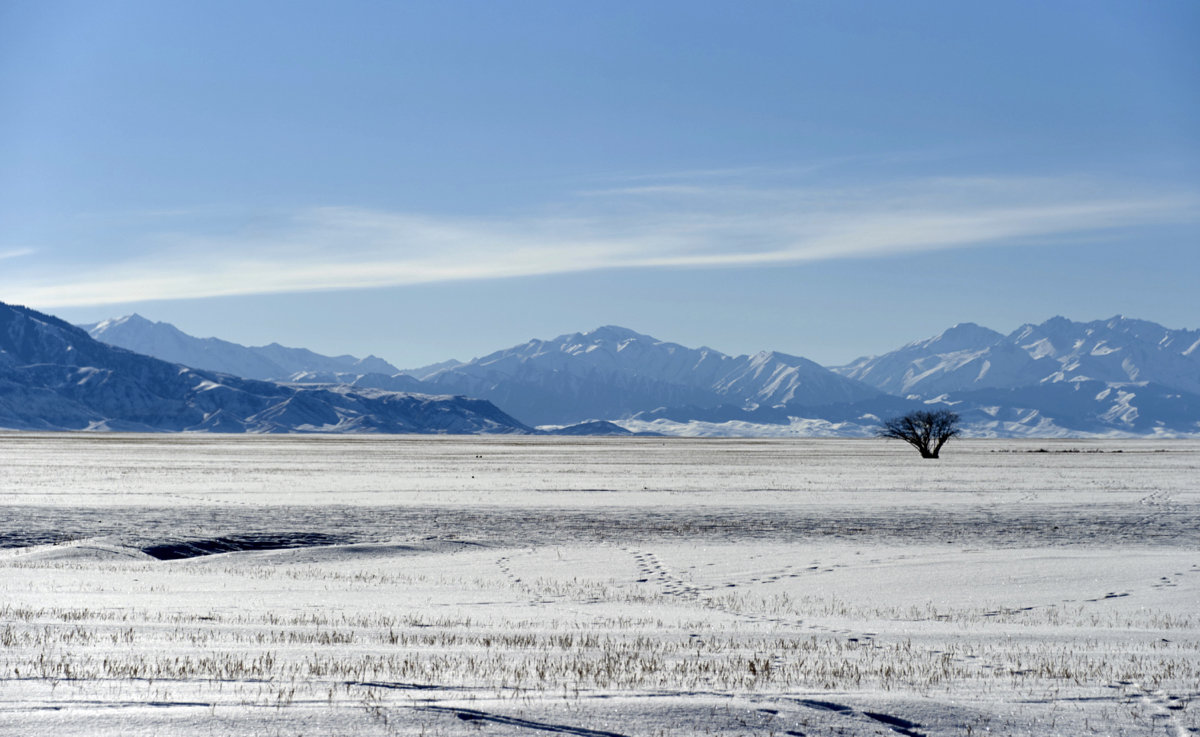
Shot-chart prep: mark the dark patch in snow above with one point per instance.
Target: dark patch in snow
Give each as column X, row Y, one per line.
column 180, row 549
column 903, row 726
column 29, row 538
column 475, row 715
column 825, row 706
column 442, row 526
column 402, row 686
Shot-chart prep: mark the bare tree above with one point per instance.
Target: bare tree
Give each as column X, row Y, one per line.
column 925, row 431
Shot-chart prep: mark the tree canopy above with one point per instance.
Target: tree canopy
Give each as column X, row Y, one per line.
column 925, row 430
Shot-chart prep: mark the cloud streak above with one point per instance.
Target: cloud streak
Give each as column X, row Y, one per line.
column 659, row 225
column 16, row 253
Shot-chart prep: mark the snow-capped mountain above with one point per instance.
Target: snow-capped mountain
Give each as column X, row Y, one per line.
column 607, row 373
column 269, row 362
column 614, row 372
column 967, row 357
column 1058, row 378
column 950, row 357
column 54, row 376
column 1117, row 350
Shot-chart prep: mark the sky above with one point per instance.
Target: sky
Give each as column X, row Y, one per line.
column 432, row 180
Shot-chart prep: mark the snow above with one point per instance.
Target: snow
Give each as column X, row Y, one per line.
column 1041, row 349
column 796, row 428
column 596, row 586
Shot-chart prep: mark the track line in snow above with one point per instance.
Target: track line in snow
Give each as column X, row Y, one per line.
column 475, row 715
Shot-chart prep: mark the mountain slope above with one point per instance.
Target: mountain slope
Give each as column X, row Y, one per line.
column 54, row 376
column 269, row 362
column 1116, row 350
column 969, row 358
column 613, row 372
column 1079, row 406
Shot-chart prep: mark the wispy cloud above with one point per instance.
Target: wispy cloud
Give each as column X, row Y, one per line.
column 16, row 253
column 666, row 224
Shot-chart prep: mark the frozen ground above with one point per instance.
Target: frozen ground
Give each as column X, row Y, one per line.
column 209, row 585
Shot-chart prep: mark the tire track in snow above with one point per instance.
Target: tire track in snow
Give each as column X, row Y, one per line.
column 894, row 723
column 475, row 715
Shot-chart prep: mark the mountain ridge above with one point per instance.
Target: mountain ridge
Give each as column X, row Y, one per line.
column 1115, row 350
column 613, row 372
column 1117, row 375
column 54, row 376
column 271, row 362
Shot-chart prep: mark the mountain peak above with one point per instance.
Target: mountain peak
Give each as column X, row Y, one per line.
column 969, row 331
column 132, row 319
column 964, row 327
column 960, row 337
column 765, row 357
column 613, row 333
column 1058, row 322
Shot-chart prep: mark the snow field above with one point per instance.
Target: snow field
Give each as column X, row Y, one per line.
column 750, row 588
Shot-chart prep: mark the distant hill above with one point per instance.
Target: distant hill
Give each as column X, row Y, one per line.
column 269, row 362
column 54, row 376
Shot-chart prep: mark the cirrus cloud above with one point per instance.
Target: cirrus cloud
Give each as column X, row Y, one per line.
column 671, row 224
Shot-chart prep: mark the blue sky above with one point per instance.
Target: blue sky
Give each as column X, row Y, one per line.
column 426, row 180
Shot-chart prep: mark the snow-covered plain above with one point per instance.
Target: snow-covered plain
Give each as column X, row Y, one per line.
column 584, row 586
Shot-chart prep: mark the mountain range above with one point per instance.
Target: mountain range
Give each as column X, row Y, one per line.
column 1061, row 377
column 968, row 357
column 269, row 362
column 54, row 376
column 614, row 373
column 610, row 372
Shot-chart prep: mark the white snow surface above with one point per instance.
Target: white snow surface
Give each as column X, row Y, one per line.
column 596, row 586
column 798, row 427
